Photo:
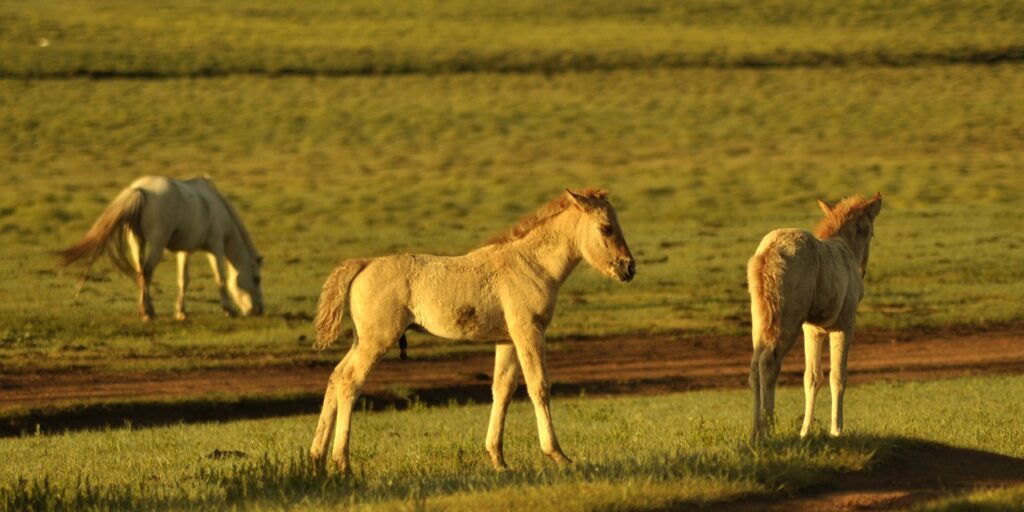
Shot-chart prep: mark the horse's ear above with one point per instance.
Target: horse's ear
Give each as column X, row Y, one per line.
column 825, row 208
column 876, row 205
column 576, row 199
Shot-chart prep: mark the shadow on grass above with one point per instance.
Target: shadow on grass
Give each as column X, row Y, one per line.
column 796, row 475
column 157, row 413
column 154, row 413
column 905, row 472
column 782, row 466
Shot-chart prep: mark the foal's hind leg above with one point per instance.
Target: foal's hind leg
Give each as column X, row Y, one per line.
column 328, row 414
column 755, row 386
column 504, row 385
column 814, row 340
column 348, row 379
column 769, row 366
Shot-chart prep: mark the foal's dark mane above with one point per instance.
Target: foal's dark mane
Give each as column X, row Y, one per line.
column 847, row 210
column 543, row 214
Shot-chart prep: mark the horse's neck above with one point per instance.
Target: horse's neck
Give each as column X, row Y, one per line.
column 236, row 247
column 855, row 250
column 550, row 248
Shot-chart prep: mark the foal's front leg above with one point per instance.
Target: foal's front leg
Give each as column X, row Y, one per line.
column 529, row 343
column 502, row 389
column 839, row 343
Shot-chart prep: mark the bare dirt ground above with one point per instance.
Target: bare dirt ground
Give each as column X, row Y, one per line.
column 619, row 365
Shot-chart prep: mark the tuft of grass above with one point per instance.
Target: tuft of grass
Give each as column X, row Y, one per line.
column 1002, row 499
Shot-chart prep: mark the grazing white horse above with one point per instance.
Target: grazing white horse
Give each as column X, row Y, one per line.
column 503, row 292
column 814, row 281
column 156, row 213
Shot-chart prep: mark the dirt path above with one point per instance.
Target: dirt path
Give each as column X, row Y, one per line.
column 644, row 365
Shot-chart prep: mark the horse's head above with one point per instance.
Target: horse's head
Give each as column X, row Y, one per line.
column 600, row 237
column 853, row 219
column 244, row 285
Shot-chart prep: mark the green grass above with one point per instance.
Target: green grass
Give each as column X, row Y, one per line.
column 700, row 163
column 637, row 453
column 365, row 128
column 1010, row 498
column 193, row 38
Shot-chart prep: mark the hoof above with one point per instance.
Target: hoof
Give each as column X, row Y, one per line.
column 318, row 463
column 560, row 458
column 499, row 463
column 148, row 317
column 497, row 458
column 180, row 316
column 343, row 468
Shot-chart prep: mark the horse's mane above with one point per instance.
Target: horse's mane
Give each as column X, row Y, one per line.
column 234, row 217
column 845, row 211
column 542, row 215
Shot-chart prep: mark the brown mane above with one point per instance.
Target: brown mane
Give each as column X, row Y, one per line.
column 543, row 214
column 847, row 210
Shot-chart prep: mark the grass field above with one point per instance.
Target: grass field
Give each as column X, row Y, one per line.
column 636, row 453
column 194, row 38
column 701, row 164
column 371, row 127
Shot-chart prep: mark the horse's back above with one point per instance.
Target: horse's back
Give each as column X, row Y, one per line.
column 154, row 184
column 782, row 276
column 788, row 243
column 180, row 211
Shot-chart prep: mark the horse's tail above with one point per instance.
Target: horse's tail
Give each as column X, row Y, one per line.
column 124, row 213
column 332, row 302
column 764, row 280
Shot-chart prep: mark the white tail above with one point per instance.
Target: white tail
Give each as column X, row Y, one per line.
column 124, row 213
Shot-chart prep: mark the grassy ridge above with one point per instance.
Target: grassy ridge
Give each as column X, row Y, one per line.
column 193, row 38
column 701, row 164
column 638, row 453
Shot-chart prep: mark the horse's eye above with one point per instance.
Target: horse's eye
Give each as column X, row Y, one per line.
column 606, row 230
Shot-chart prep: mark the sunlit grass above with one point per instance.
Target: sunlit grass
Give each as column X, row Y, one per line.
column 1011, row 498
column 700, row 164
column 633, row 452
column 194, row 38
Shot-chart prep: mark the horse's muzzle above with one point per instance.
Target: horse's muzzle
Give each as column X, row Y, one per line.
column 627, row 270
